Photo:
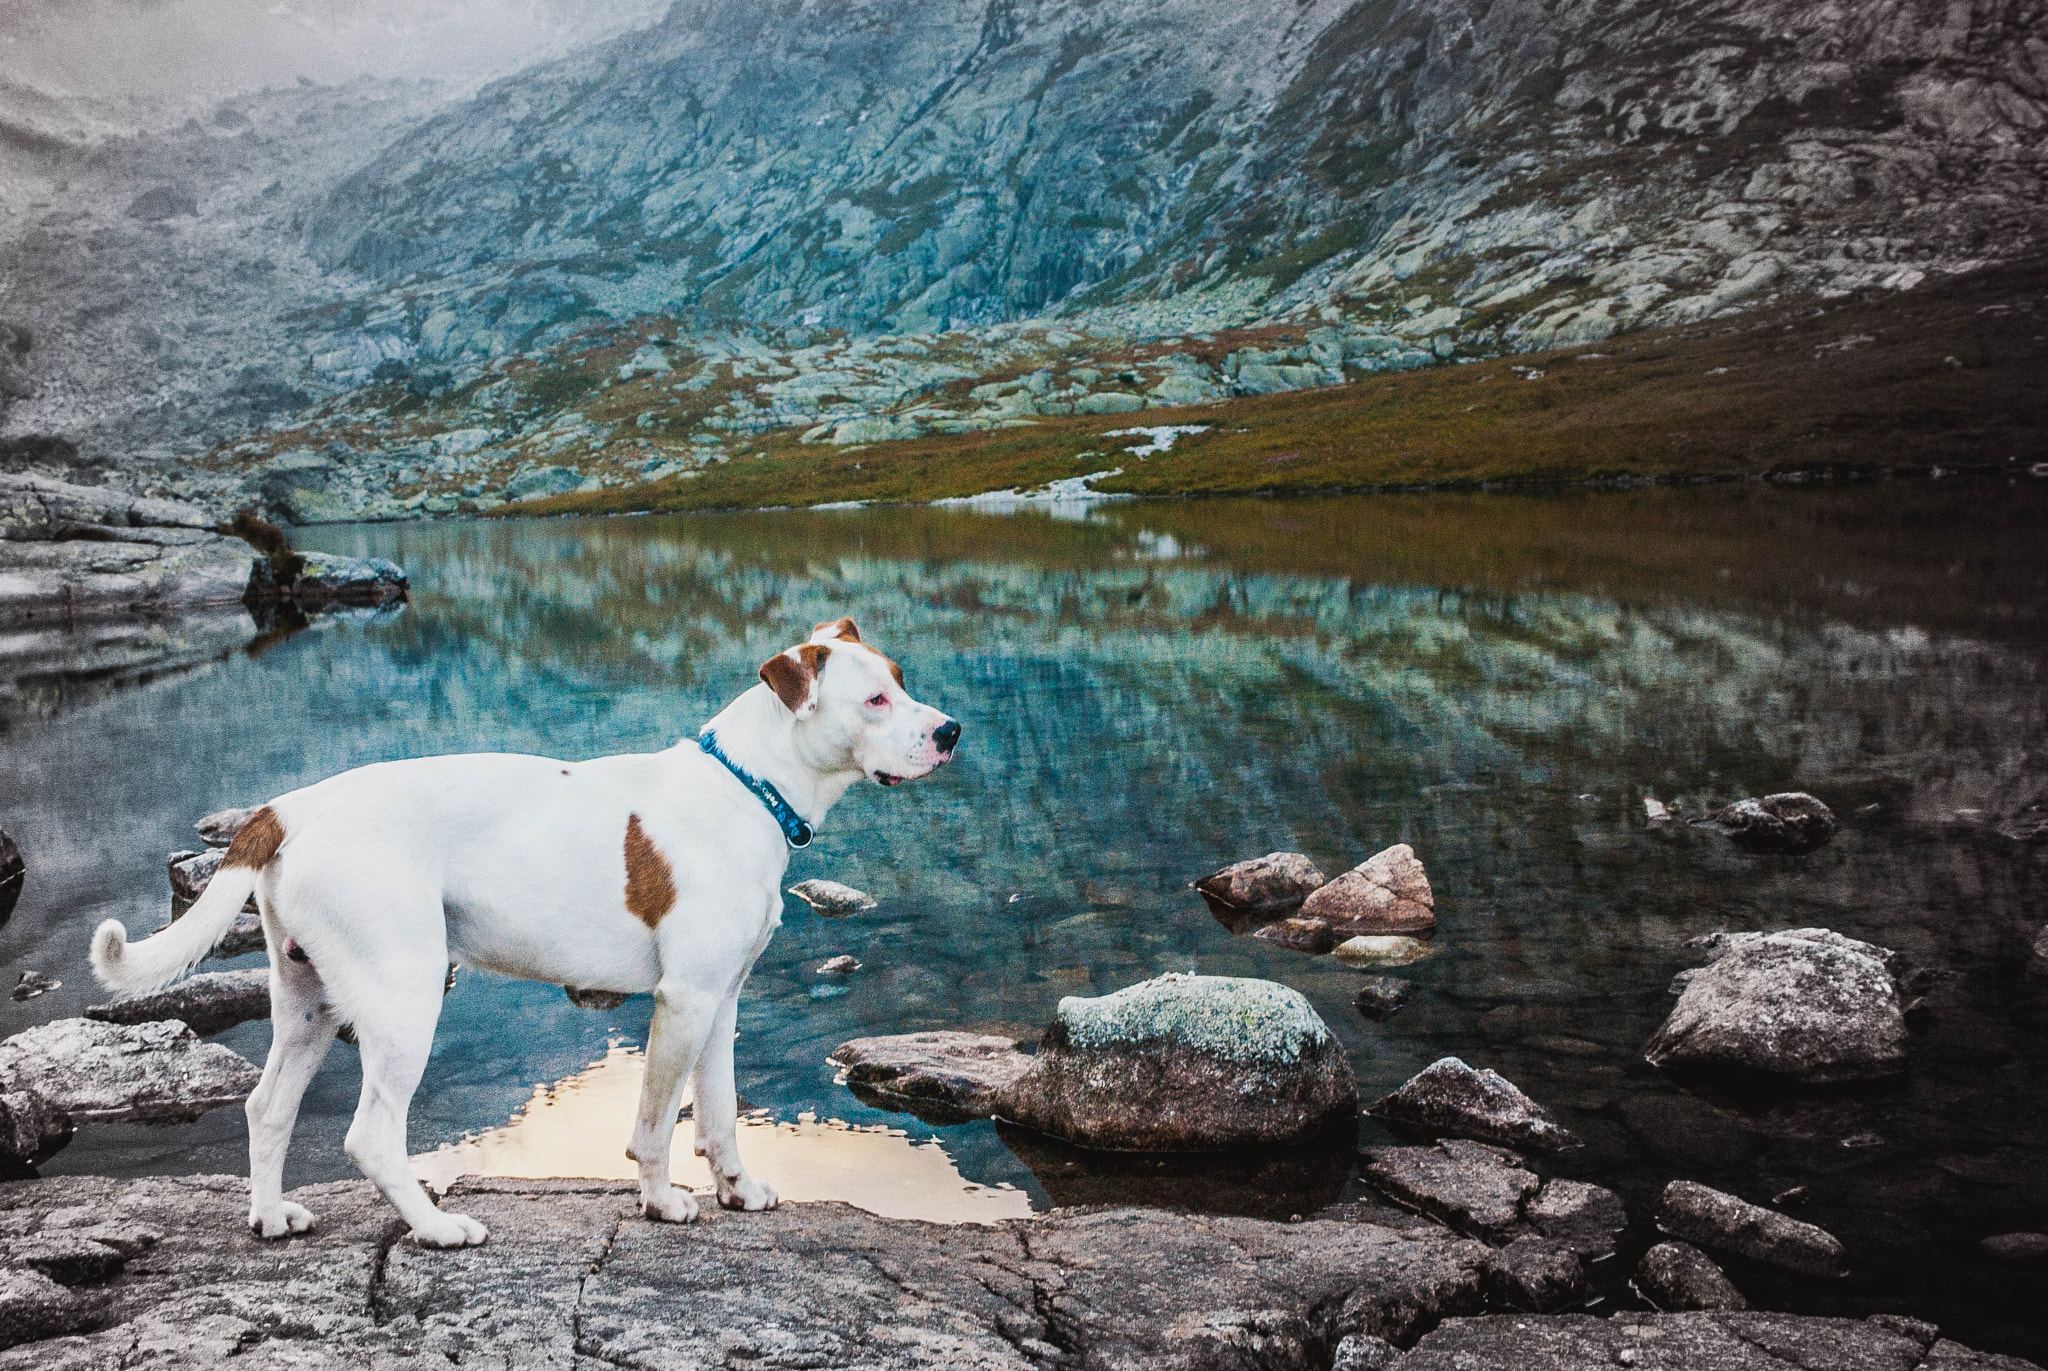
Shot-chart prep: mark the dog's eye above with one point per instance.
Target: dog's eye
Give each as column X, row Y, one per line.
column 879, row 700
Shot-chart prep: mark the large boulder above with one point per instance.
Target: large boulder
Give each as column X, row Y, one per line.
column 1186, row 1063
column 1267, row 887
column 91, row 550
column 942, row 1077
column 324, row 580
column 1450, row 1098
column 112, row 1073
column 1387, row 893
column 1805, row 1006
column 1790, row 822
column 209, row 1003
column 1712, row 1218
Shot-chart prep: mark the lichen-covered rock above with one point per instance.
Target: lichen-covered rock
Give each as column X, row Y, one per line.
column 191, row 873
column 1186, row 1063
column 1713, row 1218
column 1536, row 1274
column 831, row 899
column 1471, row 1187
column 108, row 1073
column 1387, row 893
column 1790, row 822
column 209, row 1003
column 1262, row 888
column 1450, row 1098
column 942, row 1077
column 94, row 550
column 1789, row 1006
column 1677, row 1276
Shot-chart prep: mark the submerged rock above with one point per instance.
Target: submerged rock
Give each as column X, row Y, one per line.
column 1536, row 1274
column 1300, row 934
column 1381, row 997
column 1386, row 950
column 1449, row 1097
column 1677, row 1276
column 13, row 874
column 941, row 1077
column 1788, row 1005
column 209, row 1003
column 1186, row 1063
column 1471, row 1187
column 1713, row 1218
column 1789, row 822
column 1262, row 888
column 112, row 1073
column 2016, row 1247
column 831, row 899
column 1387, row 893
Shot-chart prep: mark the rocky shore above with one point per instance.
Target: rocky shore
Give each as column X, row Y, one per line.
column 573, row 1278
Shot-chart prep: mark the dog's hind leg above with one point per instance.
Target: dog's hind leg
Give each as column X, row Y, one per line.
column 717, row 1118
column 683, row 1016
column 394, row 1001
column 301, row 1030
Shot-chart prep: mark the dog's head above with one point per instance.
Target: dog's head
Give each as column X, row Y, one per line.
column 852, row 711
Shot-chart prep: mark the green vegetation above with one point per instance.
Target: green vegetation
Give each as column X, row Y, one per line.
column 1948, row 376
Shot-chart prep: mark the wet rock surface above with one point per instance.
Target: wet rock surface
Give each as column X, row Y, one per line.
column 942, row 1077
column 1298, row 934
column 104, row 1073
column 1387, row 893
column 1381, row 997
column 1450, row 1097
column 1186, row 1063
column 1264, row 887
column 1806, row 1006
column 207, row 1003
column 1790, row 822
column 831, row 899
column 1713, row 1218
column 1678, row 1277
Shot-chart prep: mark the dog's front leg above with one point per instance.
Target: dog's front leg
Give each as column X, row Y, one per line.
column 717, row 1113
column 683, row 1017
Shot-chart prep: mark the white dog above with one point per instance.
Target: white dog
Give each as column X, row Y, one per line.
column 658, row 872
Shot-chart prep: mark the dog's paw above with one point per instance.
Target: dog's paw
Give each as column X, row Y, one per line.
column 677, row 1206
column 450, row 1230
column 746, row 1193
column 287, row 1218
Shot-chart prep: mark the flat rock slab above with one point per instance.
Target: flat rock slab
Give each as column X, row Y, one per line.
column 1712, row 1218
column 1693, row 1342
column 116, row 1073
column 208, row 1004
column 1476, row 1189
column 942, row 1077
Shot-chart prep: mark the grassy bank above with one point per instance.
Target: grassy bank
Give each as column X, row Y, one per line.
column 1948, row 375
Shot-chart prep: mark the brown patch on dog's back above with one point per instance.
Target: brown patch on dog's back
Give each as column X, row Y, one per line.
column 257, row 841
column 650, row 885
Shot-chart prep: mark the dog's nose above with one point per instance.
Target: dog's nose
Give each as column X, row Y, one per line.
column 947, row 735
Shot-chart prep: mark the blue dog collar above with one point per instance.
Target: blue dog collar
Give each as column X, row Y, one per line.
column 795, row 831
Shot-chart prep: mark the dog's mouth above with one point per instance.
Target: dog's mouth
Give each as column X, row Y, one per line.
column 885, row 778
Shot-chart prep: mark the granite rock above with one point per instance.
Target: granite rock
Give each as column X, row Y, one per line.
column 1262, row 888
column 942, row 1077
column 1790, row 822
column 1678, row 1277
column 107, row 1073
column 1698, row 1214
column 209, row 1003
column 1387, row 893
column 1449, row 1098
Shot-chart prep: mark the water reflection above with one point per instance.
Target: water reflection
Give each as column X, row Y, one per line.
column 1162, row 689
column 579, row 1127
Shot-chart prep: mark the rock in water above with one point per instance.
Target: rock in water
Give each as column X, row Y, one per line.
column 1449, row 1097
column 13, row 873
column 1536, row 1274
column 209, row 1003
column 1300, row 934
column 2016, row 1247
column 1186, row 1064
column 219, row 828
column 1582, row 1216
column 1381, row 997
column 1788, row 1006
column 33, row 984
column 594, row 999
column 112, row 1073
column 1677, row 1277
column 831, row 899
column 842, row 965
column 1790, row 822
column 326, row 581
column 1475, row 1189
column 1265, row 887
column 1380, row 950
column 1387, row 893
column 940, row 1077
column 1712, row 1218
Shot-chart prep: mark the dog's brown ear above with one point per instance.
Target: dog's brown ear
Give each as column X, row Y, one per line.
column 793, row 676
column 842, row 629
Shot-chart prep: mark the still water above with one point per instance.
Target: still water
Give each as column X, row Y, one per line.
column 1156, row 689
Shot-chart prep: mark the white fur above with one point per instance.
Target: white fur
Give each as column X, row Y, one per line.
column 517, row 864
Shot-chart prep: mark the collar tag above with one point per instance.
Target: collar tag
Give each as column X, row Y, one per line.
column 796, row 831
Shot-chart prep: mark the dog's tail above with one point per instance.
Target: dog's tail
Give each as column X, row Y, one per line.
column 158, row 960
